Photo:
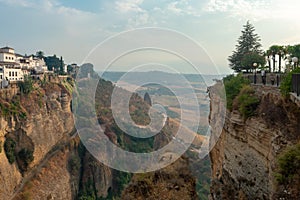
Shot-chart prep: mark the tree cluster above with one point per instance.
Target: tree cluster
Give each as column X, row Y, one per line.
column 248, row 50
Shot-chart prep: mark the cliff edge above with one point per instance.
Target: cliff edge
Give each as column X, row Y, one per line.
column 244, row 159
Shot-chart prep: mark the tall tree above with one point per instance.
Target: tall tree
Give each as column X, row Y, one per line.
column 248, row 42
column 282, row 54
column 54, row 63
column 268, row 53
column 252, row 57
column 40, row 54
column 276, row 50
column 294, row 51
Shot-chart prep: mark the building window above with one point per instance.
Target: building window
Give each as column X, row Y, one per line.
column 13, row 73
column 6, row 57
column 16, row 74
column 1, row 77
column 9, row 73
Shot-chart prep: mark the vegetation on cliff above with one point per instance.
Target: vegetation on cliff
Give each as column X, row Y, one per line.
column 246, row 102
column 26, row 86
column 286, row 83
column 233, row 85
column 9, row 148
column 240, row 95
column 173, row 182
column 289, row 167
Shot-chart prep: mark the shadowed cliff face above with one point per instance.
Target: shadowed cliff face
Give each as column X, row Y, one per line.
column 244, row 159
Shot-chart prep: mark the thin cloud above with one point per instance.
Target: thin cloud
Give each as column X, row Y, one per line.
column 184, row 7
column 245, row 9
column 22, row 3
column 51, row 6
column 126, row 6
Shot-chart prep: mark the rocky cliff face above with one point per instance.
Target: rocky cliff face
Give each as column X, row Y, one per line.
column 172, row 182
column 36, row 122
column 244, row 158
column 46, row 160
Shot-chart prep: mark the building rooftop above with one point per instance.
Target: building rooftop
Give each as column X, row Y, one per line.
column 8, row 48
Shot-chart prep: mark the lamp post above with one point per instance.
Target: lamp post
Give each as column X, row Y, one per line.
column 295, row 61
column 254, row 66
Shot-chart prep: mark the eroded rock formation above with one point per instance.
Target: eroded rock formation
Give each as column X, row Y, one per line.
column 244, row 158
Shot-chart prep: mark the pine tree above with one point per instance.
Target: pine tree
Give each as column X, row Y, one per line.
column 248, row 42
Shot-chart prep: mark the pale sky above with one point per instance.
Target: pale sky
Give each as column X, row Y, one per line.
column 72, row 28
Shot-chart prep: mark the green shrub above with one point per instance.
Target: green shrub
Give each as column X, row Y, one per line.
column 246, row 101
column 74, row 164
column 26, row 86
column 286, row 83
column 233, row 85
column 26, row 156
column 12, row 108
column 289, row 165
column 9, row 148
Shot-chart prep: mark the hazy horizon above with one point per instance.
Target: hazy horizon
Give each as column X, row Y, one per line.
column 72, row 29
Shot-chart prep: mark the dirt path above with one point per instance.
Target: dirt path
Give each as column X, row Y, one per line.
column 30, row 175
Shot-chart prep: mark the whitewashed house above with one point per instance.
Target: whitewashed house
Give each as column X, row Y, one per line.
column 11, row 70
column 15, row 66
column 7, row 54
column 32, row 63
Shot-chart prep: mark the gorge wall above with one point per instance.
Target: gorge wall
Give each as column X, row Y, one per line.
column 244, row 159
column 42, row 156
column 45, row 161
column 36, row 123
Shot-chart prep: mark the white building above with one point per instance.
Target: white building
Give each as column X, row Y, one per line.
column 14, row 66
column 7, row 54
column 32, row 63
column 12, row 71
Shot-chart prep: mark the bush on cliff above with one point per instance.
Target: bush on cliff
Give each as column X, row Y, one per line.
column 246, row 101
column 286, row 83
column 233, row 85
column 289, row 165
column 25, row 157
column 26, row 86
column 9, row 148
column 74, row 164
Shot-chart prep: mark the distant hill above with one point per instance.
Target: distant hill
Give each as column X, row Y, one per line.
column 169, row 78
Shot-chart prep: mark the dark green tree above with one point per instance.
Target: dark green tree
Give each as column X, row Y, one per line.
column 248, row 42
column 27, row 85
column 54, row 63
column 9, row 148
column 61, row 67
column 294, row 51
column 268, row 53
column 40, row 54
column 250, row 58
column 276, row 50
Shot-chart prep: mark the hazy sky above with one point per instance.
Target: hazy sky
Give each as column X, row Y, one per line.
column 72, row 28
